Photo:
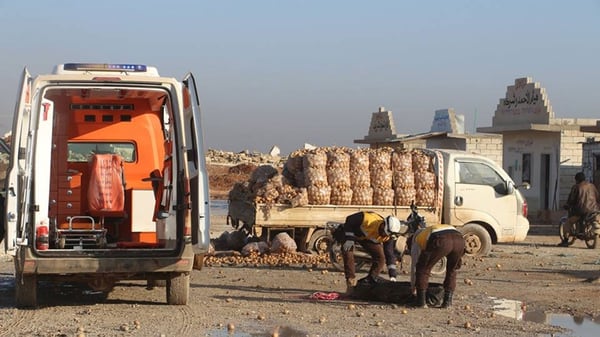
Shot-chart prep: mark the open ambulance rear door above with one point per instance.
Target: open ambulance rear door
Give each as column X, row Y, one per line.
column 196, row 165
column 18, row 178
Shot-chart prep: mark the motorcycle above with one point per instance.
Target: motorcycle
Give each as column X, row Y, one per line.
column 586, row 228
column 414, row 221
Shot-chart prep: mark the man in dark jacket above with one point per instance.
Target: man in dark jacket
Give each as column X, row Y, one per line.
column 376, row 235
column 582, row 200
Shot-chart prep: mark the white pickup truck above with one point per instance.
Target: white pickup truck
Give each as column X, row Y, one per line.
column 473, row 193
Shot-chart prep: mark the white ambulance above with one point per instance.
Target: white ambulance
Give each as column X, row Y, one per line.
column 106, row 180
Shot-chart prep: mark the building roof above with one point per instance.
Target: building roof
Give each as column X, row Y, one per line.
column 424, row 135
column 529, row 127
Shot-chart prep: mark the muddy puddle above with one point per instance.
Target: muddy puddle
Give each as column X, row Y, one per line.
column 280, row 331
column 576, row 326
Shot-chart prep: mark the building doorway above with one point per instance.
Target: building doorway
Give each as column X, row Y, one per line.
column 545, row 181
column 596, row 172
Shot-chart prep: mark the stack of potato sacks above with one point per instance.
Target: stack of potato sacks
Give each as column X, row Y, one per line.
column 360, row 177
column 425, row 179
column 381, row 176
column 343, row 176
column 315, row 177
column 403, row 177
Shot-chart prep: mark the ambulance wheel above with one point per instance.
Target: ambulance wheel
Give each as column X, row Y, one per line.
column 178, row 289
column 477, row 240
column 25, row 291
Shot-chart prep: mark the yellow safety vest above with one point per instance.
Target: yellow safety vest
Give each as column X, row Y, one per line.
column 370, row 227
column 422, row 237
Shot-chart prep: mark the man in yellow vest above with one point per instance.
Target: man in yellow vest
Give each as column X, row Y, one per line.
column 428, row 246
column 376, row 235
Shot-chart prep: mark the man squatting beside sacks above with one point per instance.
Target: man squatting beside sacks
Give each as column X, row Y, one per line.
column 377, row 236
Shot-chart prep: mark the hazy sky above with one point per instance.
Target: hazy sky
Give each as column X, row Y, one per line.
column 286, row 72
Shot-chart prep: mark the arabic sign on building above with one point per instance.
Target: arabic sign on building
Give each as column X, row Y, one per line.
column 382, row 125
column 525, row 102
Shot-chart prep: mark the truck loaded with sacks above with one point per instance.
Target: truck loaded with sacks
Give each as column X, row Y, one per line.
column 325, row 185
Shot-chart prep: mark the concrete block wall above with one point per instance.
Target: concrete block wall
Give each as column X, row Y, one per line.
column 590, row 150
column 571, row 149
column 488, row 146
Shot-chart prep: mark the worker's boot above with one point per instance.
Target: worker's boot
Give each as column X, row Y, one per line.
column 447, row 299
column 350, row 284
column 421, row 299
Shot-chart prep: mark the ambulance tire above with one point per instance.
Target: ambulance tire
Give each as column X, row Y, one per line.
column 178, row 289
column 26, row 291
column 477, row 240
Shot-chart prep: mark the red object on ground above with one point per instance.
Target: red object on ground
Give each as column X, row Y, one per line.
column 319, row 295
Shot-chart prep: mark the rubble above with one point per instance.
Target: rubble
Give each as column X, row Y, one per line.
column 232, row 158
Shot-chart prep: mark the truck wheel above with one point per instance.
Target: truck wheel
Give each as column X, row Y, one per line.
column 336, row 259
column 335, row 256
column 178, row 289
column 320, row 241
column 477, row 240
column 25, row 291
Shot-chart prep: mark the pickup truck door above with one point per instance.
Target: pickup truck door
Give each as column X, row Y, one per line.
column 480, row 195
column 196, row 165
column 18, row 178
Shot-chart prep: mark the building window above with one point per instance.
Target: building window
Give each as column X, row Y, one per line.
column 526, row 168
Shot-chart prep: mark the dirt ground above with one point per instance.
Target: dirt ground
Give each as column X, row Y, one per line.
column 260, row 300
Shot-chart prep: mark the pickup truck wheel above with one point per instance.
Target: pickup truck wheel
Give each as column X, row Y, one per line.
column 320, row 241
column 477, row 240
column 335, row 256
column 178, row 289
column 336, row 259
column 26, row 291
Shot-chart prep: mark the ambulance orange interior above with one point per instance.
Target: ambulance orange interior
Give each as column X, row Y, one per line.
column 106, row 146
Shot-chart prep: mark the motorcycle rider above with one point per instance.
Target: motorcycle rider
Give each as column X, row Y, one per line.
column 376, row 235
column 582, row 200
column 428, row 246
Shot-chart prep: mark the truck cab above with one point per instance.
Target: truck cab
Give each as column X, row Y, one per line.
column 483, row 201
column 106, row 179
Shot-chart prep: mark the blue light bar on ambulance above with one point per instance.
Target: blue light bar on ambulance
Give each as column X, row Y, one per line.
column 104, row 67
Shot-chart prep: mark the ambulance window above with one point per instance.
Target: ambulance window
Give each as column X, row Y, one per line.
column 83, row 151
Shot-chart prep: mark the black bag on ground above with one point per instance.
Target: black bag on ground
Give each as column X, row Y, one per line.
column 396, row 292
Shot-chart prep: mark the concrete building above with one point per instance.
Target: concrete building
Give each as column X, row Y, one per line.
column 591, row 154
column 447, row 132
column 538, row 148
